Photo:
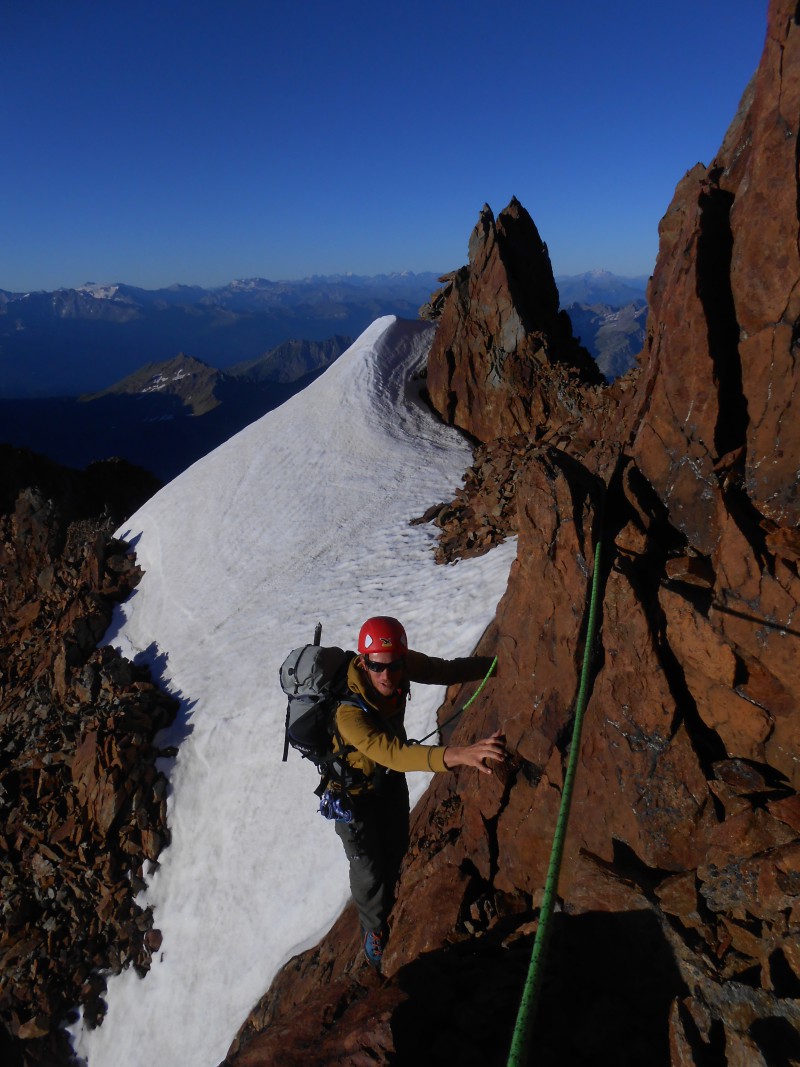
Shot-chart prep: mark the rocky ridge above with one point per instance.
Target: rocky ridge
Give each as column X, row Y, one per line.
column 676, row 940
column 82, row 805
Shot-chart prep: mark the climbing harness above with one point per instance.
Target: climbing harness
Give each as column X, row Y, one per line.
column 528, row 1004
column 455, row 714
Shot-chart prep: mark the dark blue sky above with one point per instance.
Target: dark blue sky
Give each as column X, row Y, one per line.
column 198, row 142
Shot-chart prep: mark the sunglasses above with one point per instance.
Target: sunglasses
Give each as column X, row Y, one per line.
column 379, row 668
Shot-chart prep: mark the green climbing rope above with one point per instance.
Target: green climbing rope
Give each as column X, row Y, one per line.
column 530, row 994
column 455, row 714
column 477, row 692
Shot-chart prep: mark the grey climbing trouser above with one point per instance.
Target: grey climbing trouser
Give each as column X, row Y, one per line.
column 375, row 842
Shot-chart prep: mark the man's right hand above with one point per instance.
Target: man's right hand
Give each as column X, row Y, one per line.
column 489, row 748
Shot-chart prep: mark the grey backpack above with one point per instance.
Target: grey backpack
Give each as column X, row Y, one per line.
column 315, row 680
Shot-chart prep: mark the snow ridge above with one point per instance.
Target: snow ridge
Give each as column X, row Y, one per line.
column 303, row 516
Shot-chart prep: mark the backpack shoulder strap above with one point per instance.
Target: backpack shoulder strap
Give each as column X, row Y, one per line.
column 355, row 700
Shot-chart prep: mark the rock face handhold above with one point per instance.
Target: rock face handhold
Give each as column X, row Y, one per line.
column 504, row 360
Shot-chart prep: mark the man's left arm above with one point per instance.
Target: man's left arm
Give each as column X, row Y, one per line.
column 431, row 670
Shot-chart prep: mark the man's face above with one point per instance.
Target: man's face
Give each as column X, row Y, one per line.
column 386, row 680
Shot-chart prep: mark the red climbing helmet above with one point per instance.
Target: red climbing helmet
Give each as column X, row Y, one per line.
column 382, row 633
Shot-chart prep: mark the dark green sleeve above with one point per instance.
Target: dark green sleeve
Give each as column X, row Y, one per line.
column 432, row 671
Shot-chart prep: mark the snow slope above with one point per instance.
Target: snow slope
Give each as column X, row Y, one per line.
column 303, row 516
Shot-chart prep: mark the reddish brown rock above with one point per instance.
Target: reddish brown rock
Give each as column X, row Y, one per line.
column 720, row 375
column 77, row 774
column 504, row 359
column 681, row 857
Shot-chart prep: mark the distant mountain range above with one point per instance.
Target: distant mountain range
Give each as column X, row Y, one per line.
column 608, row 314
column 601, row 287
column 74, row 341
column 161, row 377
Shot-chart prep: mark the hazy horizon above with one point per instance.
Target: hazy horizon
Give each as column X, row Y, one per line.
column 106, row 283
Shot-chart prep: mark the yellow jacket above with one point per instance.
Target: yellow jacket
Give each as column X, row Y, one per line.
column 378, row 735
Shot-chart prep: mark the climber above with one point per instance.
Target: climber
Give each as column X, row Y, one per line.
column 371, row 738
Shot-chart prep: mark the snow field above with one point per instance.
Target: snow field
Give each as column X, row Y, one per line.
column 302, row 516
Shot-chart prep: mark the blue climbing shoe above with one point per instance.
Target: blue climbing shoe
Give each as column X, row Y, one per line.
column 374, row 942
